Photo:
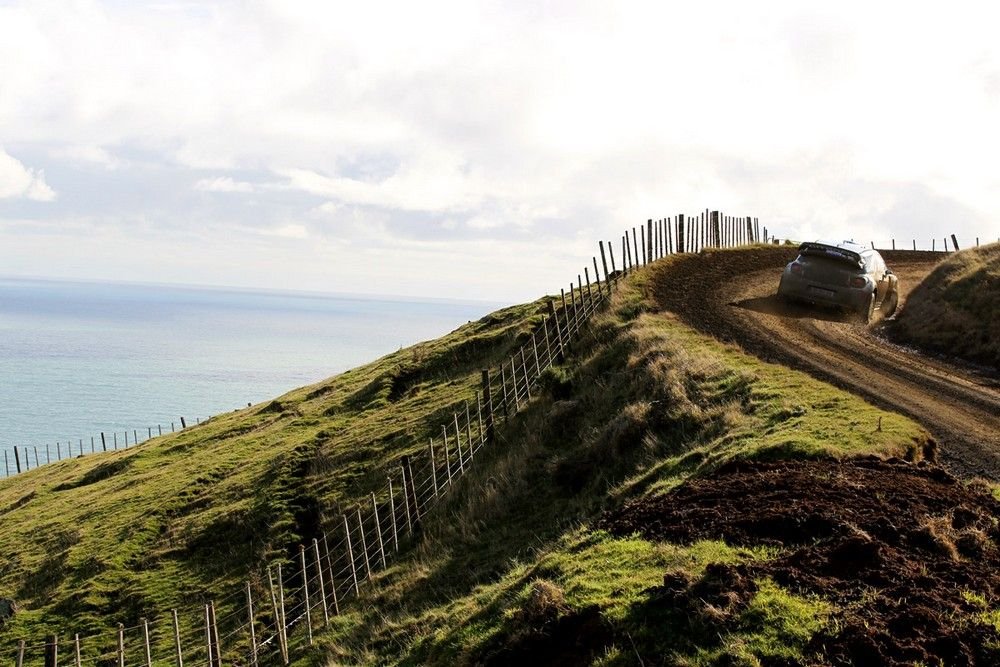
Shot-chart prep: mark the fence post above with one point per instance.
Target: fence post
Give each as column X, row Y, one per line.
column 350, row 556
column 447, row 456
column 458, row 440
column 215, row 635
column 506, row 400
column 488, row 396
column 253, row 630
column 406, row 501
column 559, row 339
column 954, row 242
column 121, row 645
column 52, row 651
column 635, row 246
column 281, row 607
column 538, row 365
column 115, row 439
column 76, row 651
column 329, row 564
column 413, row 490
column 378, row 530
column 20, row 654
column 649, row 239
column 468, row 430
column 604, row 260
column 434, row 478
column 611, row 255
column 208, row 637
column 17, row 459
column 322, row 584
column 749, row 230
column 626, row 254
column 183, row 424
column 681, row 240
column 392, row 510
column 527, row 382
column 145, row 641
column 364, row 544
column 894, row 244
column 277, row 621
column 597, row 280
column 177, row 631
column 479, row 418
column 104, row 443
column 305, row 592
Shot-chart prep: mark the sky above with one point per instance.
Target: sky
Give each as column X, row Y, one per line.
column 476, row 150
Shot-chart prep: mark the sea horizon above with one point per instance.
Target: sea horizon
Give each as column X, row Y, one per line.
column 81, row 357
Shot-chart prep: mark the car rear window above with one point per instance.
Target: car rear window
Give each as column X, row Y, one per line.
column 830, row 252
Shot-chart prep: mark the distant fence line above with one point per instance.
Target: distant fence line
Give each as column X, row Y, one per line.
column 934, row 247
column 103, row 442
column 279, row 607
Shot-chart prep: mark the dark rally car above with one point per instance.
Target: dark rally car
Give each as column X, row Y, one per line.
column 843, row 274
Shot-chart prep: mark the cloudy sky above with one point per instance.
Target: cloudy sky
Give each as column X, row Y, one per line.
column 476, row 150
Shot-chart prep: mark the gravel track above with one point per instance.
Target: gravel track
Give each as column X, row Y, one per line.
column 730, row 295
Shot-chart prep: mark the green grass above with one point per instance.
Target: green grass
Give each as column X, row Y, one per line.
column 953, row 311
column 641, row 404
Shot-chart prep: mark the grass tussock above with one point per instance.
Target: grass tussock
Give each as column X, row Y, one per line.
column 956, row 309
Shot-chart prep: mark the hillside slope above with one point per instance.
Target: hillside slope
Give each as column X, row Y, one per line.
column 956, row 309
column 529, row 556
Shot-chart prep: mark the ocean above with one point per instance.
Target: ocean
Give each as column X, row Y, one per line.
column 78, row 359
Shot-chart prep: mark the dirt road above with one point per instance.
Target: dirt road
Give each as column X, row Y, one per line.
column 731, row 295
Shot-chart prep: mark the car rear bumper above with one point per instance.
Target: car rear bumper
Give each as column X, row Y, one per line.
column 793, row 287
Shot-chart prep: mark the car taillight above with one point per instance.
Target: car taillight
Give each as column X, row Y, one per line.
column 796, row 268
column 859, row 281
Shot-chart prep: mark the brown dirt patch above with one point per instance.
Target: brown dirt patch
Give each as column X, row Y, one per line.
column 894, row 545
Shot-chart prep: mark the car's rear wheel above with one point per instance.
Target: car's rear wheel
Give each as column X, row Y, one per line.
column 867, row 313
column 890, row 304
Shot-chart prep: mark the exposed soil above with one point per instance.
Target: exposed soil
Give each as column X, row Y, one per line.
column 897, row 547
column 730, row 295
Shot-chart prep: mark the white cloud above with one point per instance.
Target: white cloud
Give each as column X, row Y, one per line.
column 20, row 182
column 486, row 125
column 223, row 184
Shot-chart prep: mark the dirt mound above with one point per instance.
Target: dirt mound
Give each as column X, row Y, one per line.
column 909, row 555
column 954, row 311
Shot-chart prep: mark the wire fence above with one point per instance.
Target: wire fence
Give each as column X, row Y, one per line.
column 279, row 608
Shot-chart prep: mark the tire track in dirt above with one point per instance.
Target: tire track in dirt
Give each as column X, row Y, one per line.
column 730, row 295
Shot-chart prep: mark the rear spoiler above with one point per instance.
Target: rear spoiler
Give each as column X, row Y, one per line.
column 821, row 250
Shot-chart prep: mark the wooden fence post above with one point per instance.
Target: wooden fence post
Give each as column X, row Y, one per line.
column 281, row 607
column 635, row 246
column 649, row 239
column 597, row 280
column 215, row 634
column 643, row 242
column 488, row 395
column 329, row 564
column 434, row 477
column 413, row 490
column 145, row 641
column 322, row 584
column 392, row 512
column 275, row 610
column 183, row 424
column 604, row 260
column 468, row 426
column 178, row 654
column 749, row 230
column 681, row 244
column 17, row 460
column 479, row 414
column 121, row 645
column 253, row 630
column 52, row 651
column 350, row 556
column 406, row 501
column 78, row 661
column 611, row 256
column 559, row 340
column 447, row 456
column 506, row 400
column 20, row 654
column 364, row 544
column 208, row 637
column 626, row 254
column 954, row 242
column 458, row 437
column 104, row 443
column 378, row 531
column 305, row 590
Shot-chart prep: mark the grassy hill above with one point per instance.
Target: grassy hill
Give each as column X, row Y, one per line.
column 516, row 553
column 956, row 309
